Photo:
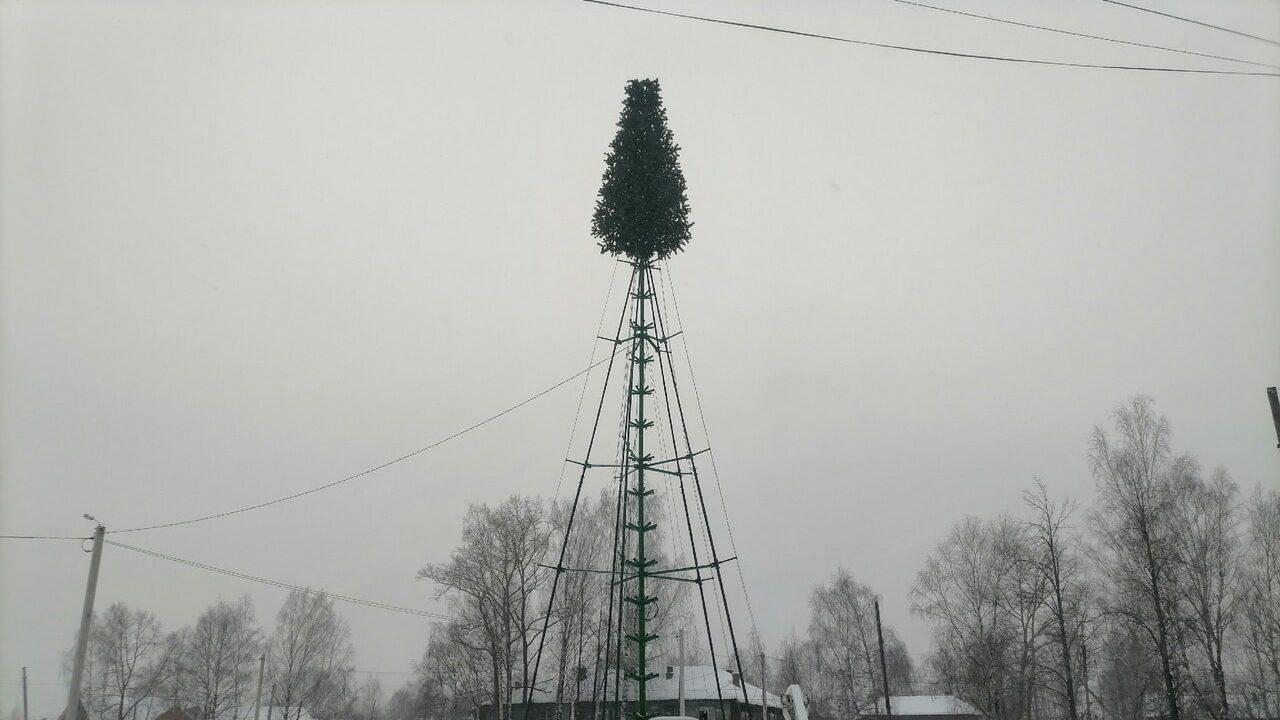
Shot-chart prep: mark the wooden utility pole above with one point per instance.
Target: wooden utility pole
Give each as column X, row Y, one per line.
column 884, row 673
column 24, row 693
column 681, row 683
column 1084, row 670
column 1275, row 411
column 764, row 690
column 86, row 617
column 257, row 699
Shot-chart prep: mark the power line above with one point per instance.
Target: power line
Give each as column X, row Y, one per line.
column 376, row 468
column 42, row 537
column 1194, row 22
column 285, row 585
column 1083, row 35
column 909, row 48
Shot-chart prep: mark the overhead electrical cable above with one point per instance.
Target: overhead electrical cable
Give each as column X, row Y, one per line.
column 929, row 51
column 1083, row 35
column 43, row 537
column 285, row 585
column 376, row 468
column 1193, row 22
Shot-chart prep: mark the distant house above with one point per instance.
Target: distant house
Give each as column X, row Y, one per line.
column 703, row 690
column 926, row 707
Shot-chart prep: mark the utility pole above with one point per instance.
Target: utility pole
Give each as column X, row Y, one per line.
column 884, row 674
column 680, row 685
column 1275, row 411
column 257, row 699
column 24, row 693
column 764, row 690
column 82, row 641
column 1084, row 670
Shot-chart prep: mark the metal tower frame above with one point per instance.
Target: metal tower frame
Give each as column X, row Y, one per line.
column 647, row 339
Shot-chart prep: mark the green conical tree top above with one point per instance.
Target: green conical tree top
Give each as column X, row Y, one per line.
column 642, row 210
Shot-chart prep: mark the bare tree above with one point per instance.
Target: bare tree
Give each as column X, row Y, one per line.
column 1061, row 569
column 129, row 652
column 309, row 655
column 984, row 598
column 1258, row 632
column 1133, row 469
column 217, row 660
column 1208, row 579
column 1127, row 672
column 493, row 576
column 842, row 628
column 452, row 674
column 366, row 702
column 582, row 595
column 793, row 667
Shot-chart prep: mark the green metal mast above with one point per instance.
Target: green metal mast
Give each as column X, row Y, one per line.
column 641, row 340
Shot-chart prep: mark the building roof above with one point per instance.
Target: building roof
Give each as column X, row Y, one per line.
column 700, row 683
column 917, row 705
column 275, row 712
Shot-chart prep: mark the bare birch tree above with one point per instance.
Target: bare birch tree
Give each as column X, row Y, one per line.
column 1258, row 632
column 983, row 599
column 1208, row 580
column 128, row 649
column 1061, row 568
column 217, row 660
column 493, row 576
column 1133, row 468
column 842, row 627
column 309, row 654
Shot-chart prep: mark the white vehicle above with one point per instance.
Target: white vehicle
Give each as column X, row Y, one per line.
column 794, row 704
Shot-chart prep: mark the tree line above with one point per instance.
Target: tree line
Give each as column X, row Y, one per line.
column 1161, row 600
column 135, row 669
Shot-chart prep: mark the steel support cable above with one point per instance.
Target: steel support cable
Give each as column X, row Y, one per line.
column 697, row 484
column 1084, row 35
column 661, row 329
column 619, row 551
column 678, row 554
column 281, row 584
column 1193, row 22
column 715, row 471
column 376, row 468
column 928, row 51
column 618, row 560
column 586, row 381
column 704, row 528
column 704, row 525
column 573, row 510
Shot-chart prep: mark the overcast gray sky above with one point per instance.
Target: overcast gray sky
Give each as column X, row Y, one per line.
column 249, row 248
